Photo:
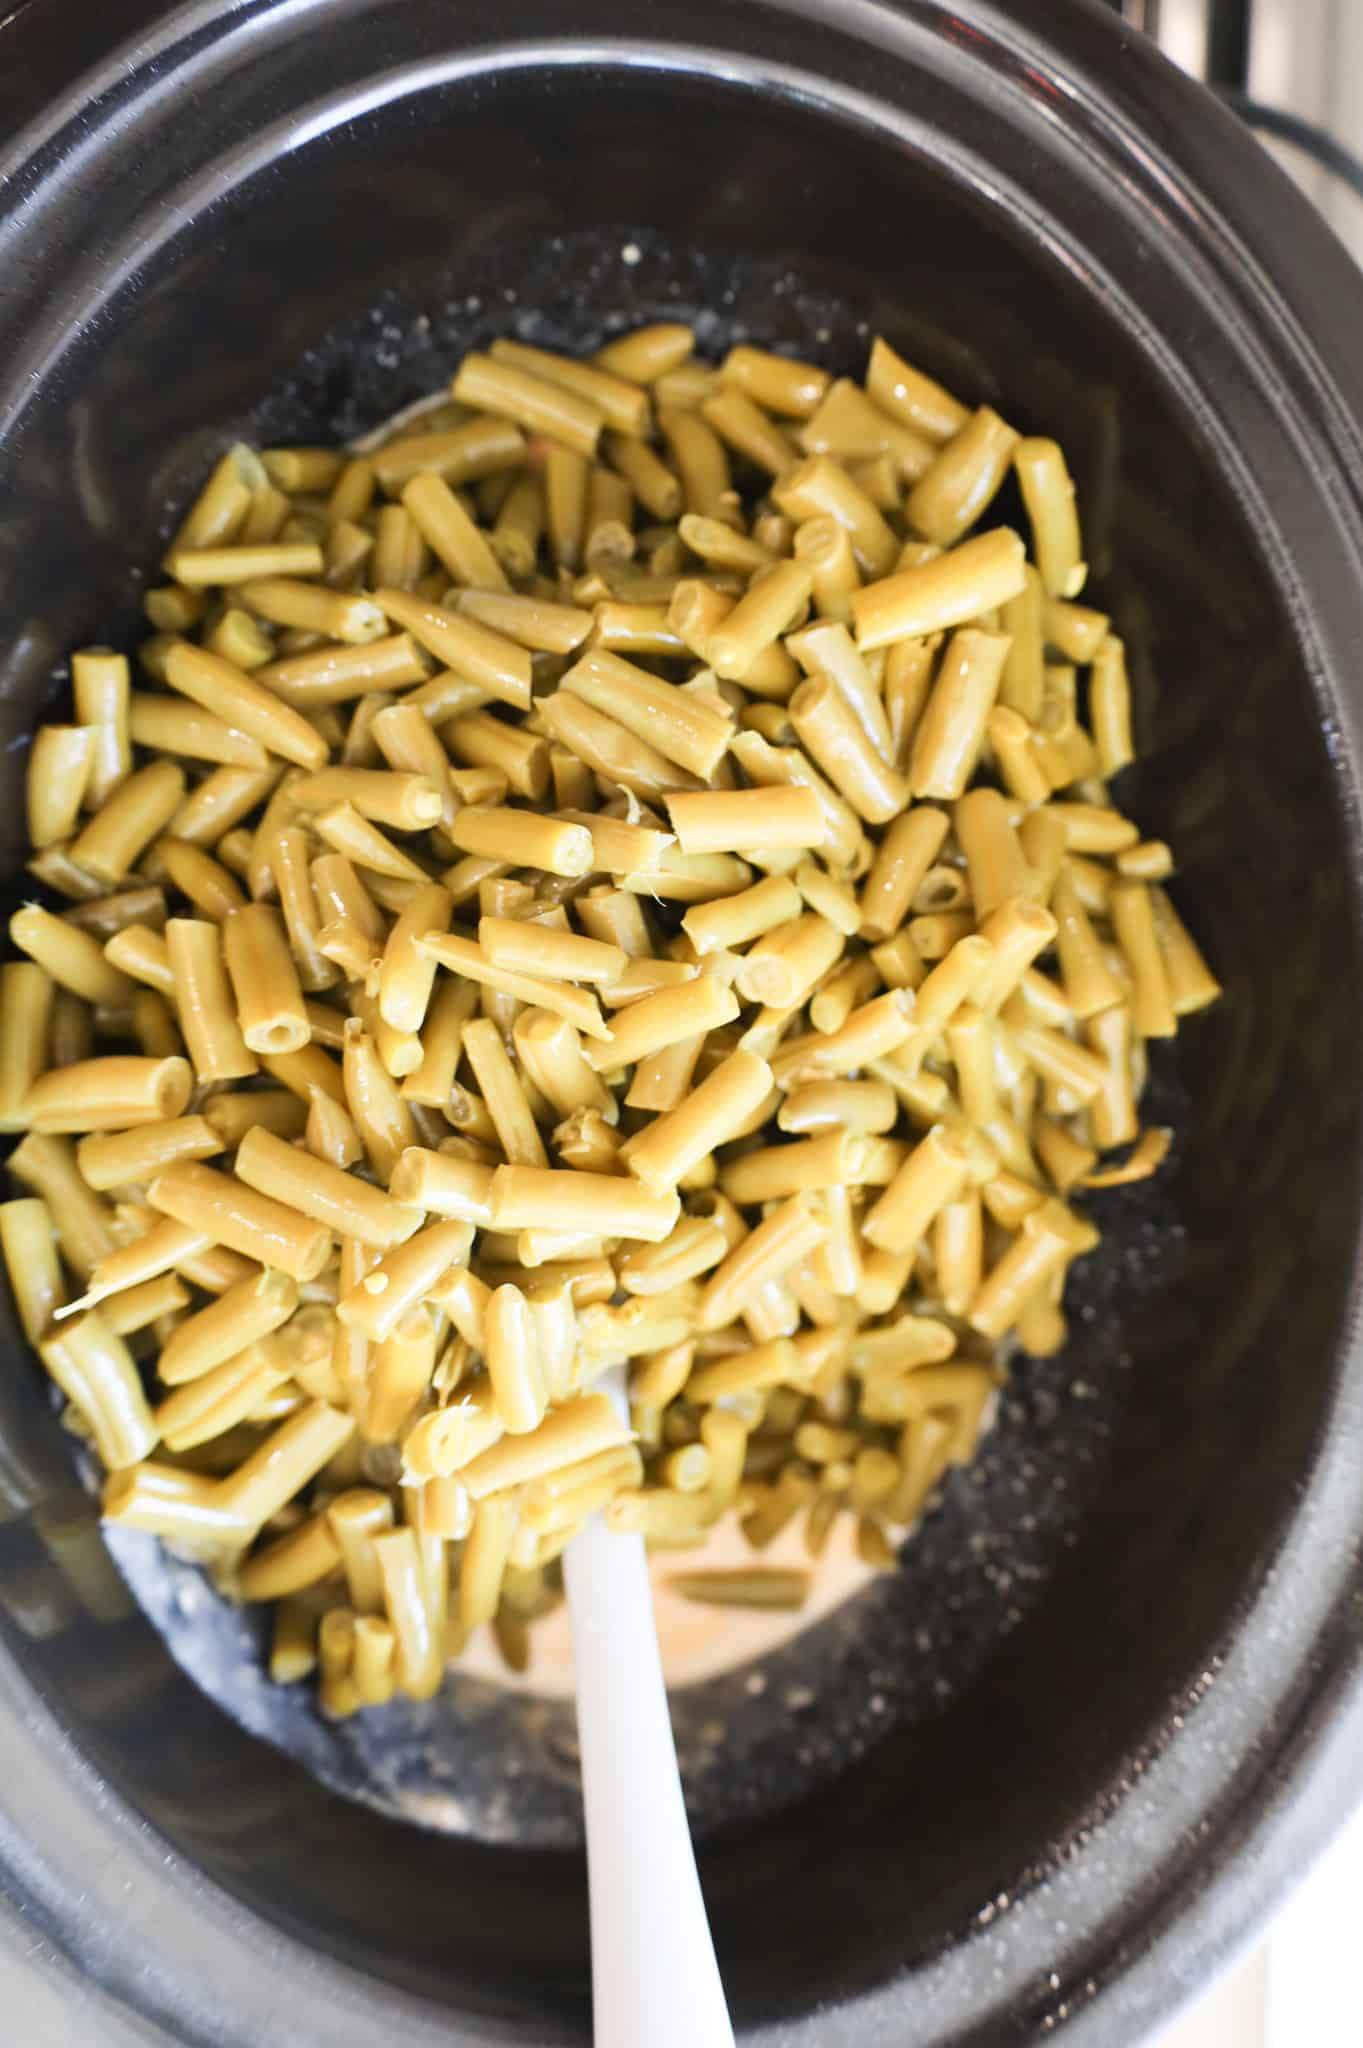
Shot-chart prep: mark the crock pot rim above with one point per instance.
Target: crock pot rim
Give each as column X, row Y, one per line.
column 1312, row 1775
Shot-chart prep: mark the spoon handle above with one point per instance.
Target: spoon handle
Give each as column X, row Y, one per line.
column 654, row 1975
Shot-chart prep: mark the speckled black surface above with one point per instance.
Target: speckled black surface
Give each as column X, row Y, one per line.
column 568, row 292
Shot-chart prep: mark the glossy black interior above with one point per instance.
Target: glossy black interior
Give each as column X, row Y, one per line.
column 1214, row 1378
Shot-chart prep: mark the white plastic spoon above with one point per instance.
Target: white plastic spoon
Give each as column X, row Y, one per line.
column 655, row 1982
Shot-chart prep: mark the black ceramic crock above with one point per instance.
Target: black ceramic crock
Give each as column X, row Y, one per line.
column 1161, row 1725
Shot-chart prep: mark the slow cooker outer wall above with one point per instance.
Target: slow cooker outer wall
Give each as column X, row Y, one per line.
column 1079, row 1708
